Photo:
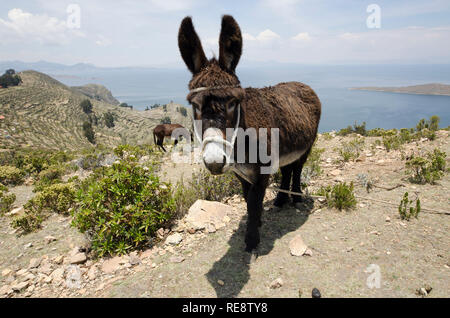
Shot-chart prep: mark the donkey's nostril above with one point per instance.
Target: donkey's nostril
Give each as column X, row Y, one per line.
column 215, row 167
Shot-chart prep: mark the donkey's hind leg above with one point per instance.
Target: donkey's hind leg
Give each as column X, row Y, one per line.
column 282, row 197
column 296, row 176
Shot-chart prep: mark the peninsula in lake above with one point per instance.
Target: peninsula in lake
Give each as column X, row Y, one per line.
column 425, row 89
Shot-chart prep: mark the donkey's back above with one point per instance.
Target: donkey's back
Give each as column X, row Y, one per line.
column 292, row 107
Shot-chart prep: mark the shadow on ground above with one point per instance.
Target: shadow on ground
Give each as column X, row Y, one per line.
column 235, row 264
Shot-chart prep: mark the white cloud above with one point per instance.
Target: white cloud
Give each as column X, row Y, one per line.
column 302, row 36
column 264, row 38
column 22, row 25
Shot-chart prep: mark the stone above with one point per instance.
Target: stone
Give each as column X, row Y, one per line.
column 111, row 265
column 58, row 274
column 6, row 272
column 277, row 283
column 335, row 172
column 78, row 258
column 4, row 290
column 203, row 212
column 34, row 263
column 160, row 233
column 22, row 272
column 176, row 259
column 147, row 253
column 297, row 246
column 20, row 286
column 308, row 252
column 28, row 245
column 174, row 239
column 49, row 239
column 15, row 211
column 210, row 228
column 93, row 273
column 220, row 282
column 388, row 219
column 58, row 259
column 316, row 293
column 134, row 260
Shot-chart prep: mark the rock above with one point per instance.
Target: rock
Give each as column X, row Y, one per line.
column 58, row 274
column 93, row 273
column 277, row 283
column 134, row 260
column 22, row 272
column 147, row 253
column 46, row 268
column 176, row 259
column 191, row 230
column 20, row 286
column 308, row 252
column 160, row 233
column 316, row 293
column 220, row 282
column 421, row 292
column 174, row 239
column 297, row 246
column 34, row 263
column 78, row 258
column 4, row 290
column 49, row 239
column 15, row 211
column 428, row 288
column 335, row 172
column 203, row 212
column 111, row 265
column 28, row 245
column 58, row 259
column 388, row 219
column 6, row 272
column 210, row 228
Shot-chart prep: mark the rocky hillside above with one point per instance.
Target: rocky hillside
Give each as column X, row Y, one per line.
column 97, row 92
column 43, row 112
column 425, row 89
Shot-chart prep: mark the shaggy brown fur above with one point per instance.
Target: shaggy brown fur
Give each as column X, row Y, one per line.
column 292, row 107
column 164, row 130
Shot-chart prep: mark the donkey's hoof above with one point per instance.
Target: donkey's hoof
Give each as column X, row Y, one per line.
column 280, row 201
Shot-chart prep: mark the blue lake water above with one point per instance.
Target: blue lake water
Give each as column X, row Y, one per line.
column 340, row 105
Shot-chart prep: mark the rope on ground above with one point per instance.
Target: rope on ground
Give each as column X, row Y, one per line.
column 425, row 210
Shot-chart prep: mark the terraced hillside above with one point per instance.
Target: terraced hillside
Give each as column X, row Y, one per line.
column 43, row 112
column 97, row 92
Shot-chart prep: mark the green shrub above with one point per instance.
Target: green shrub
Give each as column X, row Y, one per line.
column 11, row 175
column 392, row 142
column 35, row 160
column 426, row 170
column 6, row 201
column 109, row 119
column 89, row 132
column 358, row 129
column 49, row 176
column 406, row 210
column 86, row 106
column 352, row 149
column 339, row 196
column 166, row 120
column 121, row 207
column 59, row 198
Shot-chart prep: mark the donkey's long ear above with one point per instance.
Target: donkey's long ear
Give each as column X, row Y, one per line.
column 190, row 46
column 230, row 43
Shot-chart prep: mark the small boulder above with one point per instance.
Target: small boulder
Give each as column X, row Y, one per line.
column 203, row 212
column 78, row 258
column 111, row 265
column 277, row 283
column 297, row 246
column 174, row 239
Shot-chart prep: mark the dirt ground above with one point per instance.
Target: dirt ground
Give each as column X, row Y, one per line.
column 409, row 254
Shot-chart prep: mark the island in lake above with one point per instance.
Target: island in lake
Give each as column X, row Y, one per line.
column 425, row 89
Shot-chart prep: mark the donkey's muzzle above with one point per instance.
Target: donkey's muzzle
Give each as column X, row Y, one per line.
column 214, row 157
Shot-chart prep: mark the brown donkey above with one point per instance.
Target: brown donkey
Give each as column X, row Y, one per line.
column 219, row 103
column 164, row 130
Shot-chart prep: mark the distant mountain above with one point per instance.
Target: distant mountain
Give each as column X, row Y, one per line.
column 97, row 92
column 44, row 113
column 425, row 89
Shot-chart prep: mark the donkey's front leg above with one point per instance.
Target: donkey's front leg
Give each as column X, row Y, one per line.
column 254, row 208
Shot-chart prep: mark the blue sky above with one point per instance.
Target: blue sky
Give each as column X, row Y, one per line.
column 133, row 32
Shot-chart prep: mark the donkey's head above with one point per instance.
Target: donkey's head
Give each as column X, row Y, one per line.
column 215, row 91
